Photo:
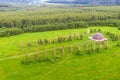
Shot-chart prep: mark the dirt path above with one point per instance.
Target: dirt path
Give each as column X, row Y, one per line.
column 18, row 56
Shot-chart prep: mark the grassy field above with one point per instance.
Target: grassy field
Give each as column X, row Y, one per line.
column 96, row 66
column 12, row 44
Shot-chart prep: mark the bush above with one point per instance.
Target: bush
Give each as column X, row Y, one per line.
column 10, row 32
column 118, row 44
column 14, row 31
column 57, row 26
column 119, row 28
column 78, row 53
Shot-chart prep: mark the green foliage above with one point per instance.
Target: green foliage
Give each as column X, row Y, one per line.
column 97, row 50
column 118, row 44
column 113, row 36
column 119, row 28
column 47, row 19
column 10, row 32
column 78, row 53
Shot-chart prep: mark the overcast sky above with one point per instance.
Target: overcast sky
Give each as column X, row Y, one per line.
column 44, row 0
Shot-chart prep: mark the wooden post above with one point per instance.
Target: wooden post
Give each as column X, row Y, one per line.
column 45, row 53
column 77, row 35
column 72, row 36
column 21, row 46
column 56, row 39
column 29, row 45
column 63, row 50
column 37, row 43
column 67, row 37
column 71, row 49
column 50, row 41
column 43, row 41
column 27, row 56
column 94, row 47
column 78, row 48
column 36, row 54
column 55, row 52
column 86, row 48
column 100, row 44
column 106, row 44
column 88, row 31
column 91, row 44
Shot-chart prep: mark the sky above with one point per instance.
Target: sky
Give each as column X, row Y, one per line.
column 44, row 0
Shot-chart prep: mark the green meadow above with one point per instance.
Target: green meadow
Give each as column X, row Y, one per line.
column 102, row 65
column 51, row 42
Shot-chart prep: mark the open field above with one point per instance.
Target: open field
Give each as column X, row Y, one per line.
column 95, row 66
column 14, row 41
column 51, row 42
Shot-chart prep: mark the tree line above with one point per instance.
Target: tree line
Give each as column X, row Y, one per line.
column 20, row 22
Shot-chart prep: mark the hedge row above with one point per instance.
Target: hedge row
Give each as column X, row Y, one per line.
column 10, row 31
column 57, row 26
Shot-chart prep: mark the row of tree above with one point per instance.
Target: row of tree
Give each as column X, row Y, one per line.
column 58, row 26
column 58, row 19
column 58, row 52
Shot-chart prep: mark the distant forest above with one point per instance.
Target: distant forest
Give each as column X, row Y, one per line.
column 58, row 18
column 96, row 2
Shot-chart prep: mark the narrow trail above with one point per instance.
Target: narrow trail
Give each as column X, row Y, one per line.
column 23, row 55
column 53, row 68
column 18, row 56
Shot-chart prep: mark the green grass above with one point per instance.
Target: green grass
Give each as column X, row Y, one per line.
column 97, row 66
column 11, row 44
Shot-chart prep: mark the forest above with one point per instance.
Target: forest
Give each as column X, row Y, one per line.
column 58, row 18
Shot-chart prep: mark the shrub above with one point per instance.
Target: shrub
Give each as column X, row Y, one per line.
column 78, row 53
column 118, row 44
column 119, row 28
column 97, row 50
column 10, row 32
